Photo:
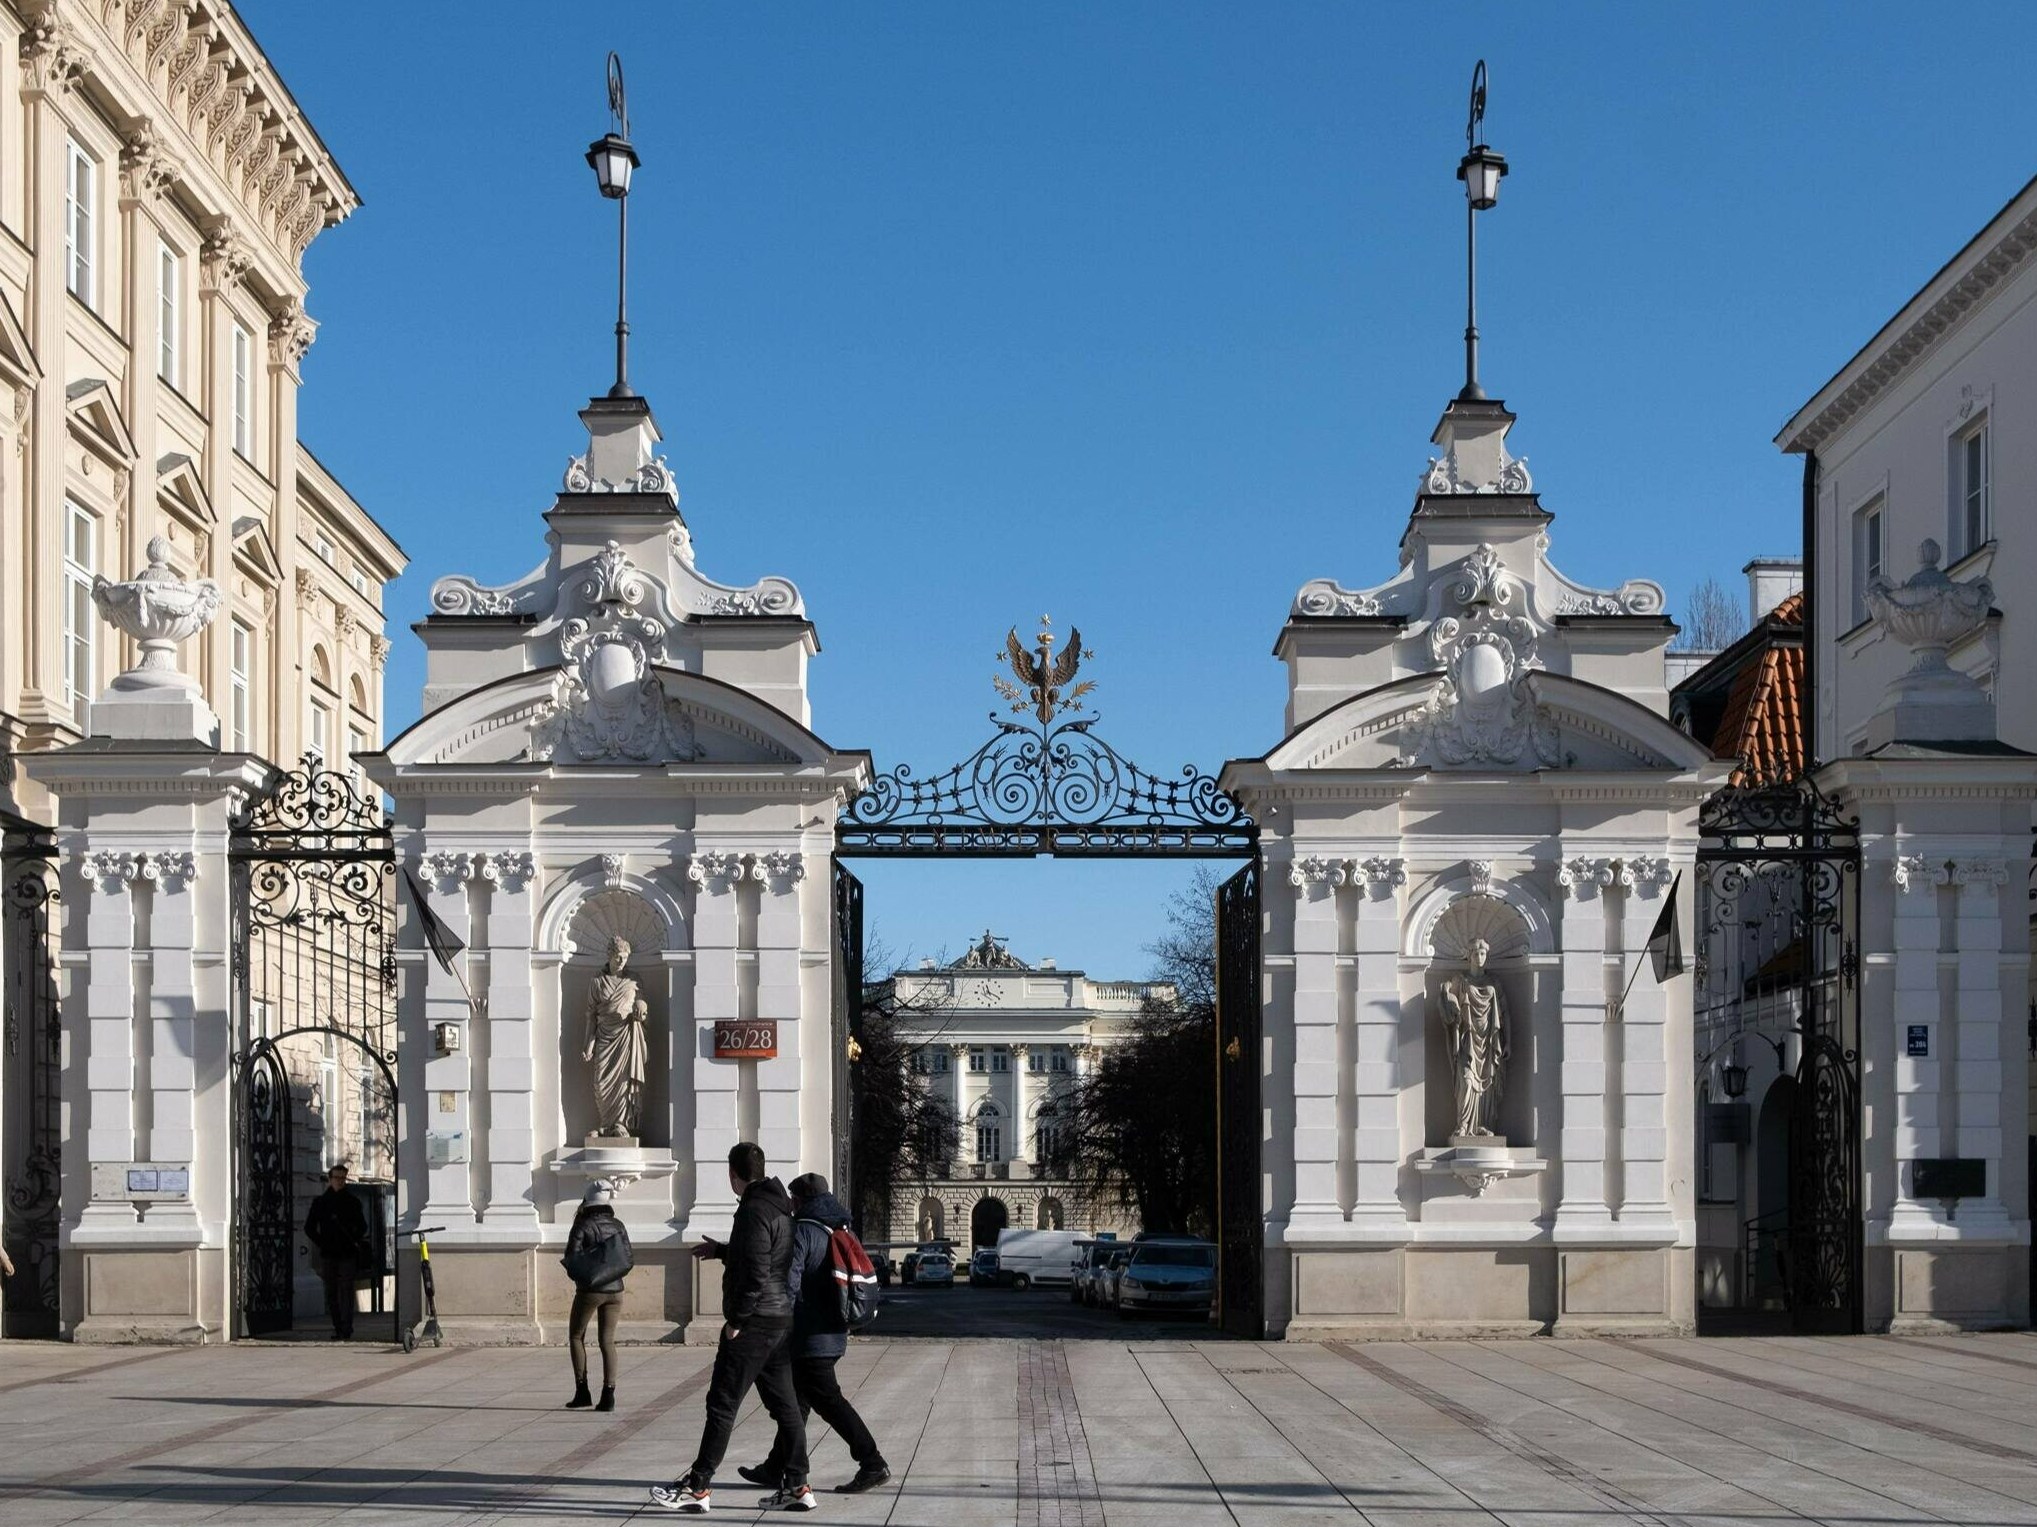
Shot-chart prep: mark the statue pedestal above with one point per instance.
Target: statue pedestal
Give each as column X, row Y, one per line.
column 617, row 1157
column 1478, row 1161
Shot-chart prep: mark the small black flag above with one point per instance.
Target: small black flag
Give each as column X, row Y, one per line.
column 443, row 941
column 1665, row 943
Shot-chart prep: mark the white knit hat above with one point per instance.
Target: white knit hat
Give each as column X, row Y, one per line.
column 599, row 1191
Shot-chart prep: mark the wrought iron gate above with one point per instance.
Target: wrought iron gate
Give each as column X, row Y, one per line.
column 33, row 1066
column 1240, row 1126
column 314, row 967
column 848, row 1021
column 1046, row 785
column 1778, row 897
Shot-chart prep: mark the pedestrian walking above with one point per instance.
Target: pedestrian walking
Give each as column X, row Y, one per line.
column 598, row 1257
column 820, row 1335
column 755, row 1347
column 338, row 1229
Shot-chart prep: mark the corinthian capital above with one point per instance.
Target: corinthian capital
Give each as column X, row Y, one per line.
column 224, row 256
column 290, row 334
column 53, row 53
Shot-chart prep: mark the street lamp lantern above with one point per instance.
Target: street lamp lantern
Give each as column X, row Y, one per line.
column 1735, row 1079
column 1480, row 170
column 614, row 161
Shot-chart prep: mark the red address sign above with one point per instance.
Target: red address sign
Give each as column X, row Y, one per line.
column 754, row 1040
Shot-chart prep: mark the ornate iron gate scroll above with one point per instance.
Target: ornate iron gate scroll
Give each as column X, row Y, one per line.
column 314, row 959
column 1240, row 1212
column 848, row 1018
column 1778, row 902
column 33, row 1042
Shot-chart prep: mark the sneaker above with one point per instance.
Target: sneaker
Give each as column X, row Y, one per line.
column 681, row 1495
column 789, row 1498
column 761, row 1474
column 866, row 1479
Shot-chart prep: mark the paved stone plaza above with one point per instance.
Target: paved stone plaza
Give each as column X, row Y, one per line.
column 1055, row 1434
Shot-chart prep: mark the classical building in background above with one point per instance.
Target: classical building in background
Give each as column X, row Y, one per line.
column 158, row 188
column 1002, row 1042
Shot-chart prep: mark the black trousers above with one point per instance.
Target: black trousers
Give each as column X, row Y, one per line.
column 821, row 1392
column 606, row 1311
column 338, row 1275
column 762, row 1358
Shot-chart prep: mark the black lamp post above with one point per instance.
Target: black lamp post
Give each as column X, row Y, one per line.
column 1480, row 170
column 614, row 160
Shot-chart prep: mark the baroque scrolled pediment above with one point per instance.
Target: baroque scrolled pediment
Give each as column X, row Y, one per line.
column 678, row 718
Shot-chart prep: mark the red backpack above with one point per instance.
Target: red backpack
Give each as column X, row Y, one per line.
column 855, row 1278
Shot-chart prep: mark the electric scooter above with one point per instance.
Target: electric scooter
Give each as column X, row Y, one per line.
column 429, row 1331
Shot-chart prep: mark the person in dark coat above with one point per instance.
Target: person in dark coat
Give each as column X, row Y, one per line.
column 598, row 1257
column 756, row 1347
column 820, row 1336
column 338, row 1228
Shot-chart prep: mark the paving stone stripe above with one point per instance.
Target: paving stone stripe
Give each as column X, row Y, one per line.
column 65, row 1478
column 1056, row 1476
column 1504, row 1437
column 1864, row 1412
column 84, row 1373
column 1963, row 1349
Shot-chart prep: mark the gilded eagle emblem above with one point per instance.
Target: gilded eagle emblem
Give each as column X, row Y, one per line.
column 1046, row 680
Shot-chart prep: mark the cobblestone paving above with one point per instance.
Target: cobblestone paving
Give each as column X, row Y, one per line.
column 1019, row 1433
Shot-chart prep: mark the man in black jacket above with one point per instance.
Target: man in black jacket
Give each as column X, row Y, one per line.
column 339, row 1229
column 820, row 1336
column 756, row 1311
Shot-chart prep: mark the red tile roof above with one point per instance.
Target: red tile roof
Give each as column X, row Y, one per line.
column 1763, row 721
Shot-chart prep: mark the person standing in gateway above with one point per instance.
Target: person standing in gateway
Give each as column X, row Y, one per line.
column 338, row 1228
column 756, row 1340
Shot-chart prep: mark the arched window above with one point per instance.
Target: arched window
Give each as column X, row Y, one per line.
column 1047, row 1139
column 989, row 1132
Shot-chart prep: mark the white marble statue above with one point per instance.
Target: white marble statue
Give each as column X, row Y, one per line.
column 615, row 1045
column 1474, row 1018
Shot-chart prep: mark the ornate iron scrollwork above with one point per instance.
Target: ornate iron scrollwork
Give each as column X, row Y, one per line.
column 33, row 1040
column 314, row 960
column 1046, row 785
column 1778, row 883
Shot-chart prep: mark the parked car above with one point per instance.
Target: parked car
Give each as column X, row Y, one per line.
column 1026, row 1257
column 935, row 1269
column 909, row 1264
column 1089, row 1259
column 1105, row 1282
column 983, row 1271
column 1177, row 1277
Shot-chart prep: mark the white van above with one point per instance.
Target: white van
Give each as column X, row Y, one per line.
column 1026, row 1257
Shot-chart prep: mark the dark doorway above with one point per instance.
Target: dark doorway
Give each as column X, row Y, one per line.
column 986, row 1220
column 1768, row 1231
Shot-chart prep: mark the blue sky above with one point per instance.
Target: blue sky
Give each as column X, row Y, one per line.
column 1134, row 314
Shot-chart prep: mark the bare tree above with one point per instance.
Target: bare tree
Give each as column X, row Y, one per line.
column 1140, row 1130
column 1716, row 619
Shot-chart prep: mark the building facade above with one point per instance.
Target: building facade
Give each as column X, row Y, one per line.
column 158, row 190
column 1002, row 1043
column 1919, row 468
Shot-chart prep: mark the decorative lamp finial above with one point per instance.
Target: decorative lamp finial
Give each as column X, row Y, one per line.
column 614, row 160
column 1481, row 171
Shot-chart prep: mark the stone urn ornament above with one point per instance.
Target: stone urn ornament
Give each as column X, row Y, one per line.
column 160, row 611
column 1928, row 613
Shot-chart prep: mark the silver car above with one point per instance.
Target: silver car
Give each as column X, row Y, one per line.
column 1178, row 1277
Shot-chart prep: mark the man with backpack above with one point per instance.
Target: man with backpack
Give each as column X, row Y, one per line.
column 755, row 1348
column 822, row 1305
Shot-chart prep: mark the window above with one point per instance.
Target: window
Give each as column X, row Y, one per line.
column 1972, row 515
column 241, row 679
column 978, row 1059
column 989, row 1134
column 1000, row 1059
column 322, row 544
column 81, row 621
column 1059, row 1060
column 81, row 224
column 243, row 392
column 1046, row 1137
column 321, row 732
column 357, row 744
column 359, row 580
column 169, row 315
column 1036, row 1059
column 940, row 1063
column 325, row 1106
column 1870, row 540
